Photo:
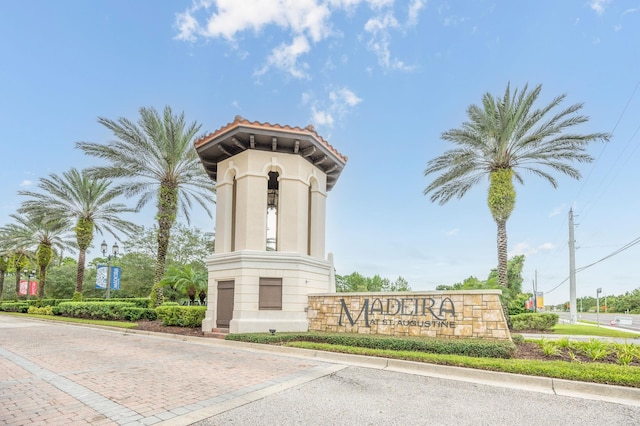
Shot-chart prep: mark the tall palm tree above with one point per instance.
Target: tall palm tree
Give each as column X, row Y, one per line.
column 155, row 159
column 42, row 233
column 85, row 199
column 4, row 261
column 503, row 137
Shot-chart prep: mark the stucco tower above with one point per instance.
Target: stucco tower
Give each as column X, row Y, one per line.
column 272, row 183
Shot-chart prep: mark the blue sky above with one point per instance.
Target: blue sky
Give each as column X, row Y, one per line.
column 380, row 80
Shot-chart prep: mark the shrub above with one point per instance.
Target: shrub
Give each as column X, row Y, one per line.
column 182, row 316
column 21, row 307
column 77, row 296
column 45, row 310
column 549, row 348
column 533, row 321
column 94, row 310
column 625, row 353
column 595, row 349
column 134, row 313
column 468, row 347
column 140, row 302
column 517, row 338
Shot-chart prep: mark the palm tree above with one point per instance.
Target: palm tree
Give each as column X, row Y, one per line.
column 155, row 159
column 502, row 137
column 186, row 279
column 85, row 199
column 4, row 263
column 42, row 233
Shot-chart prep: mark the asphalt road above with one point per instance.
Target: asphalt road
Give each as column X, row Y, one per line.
column 360, row 396
column 605, row 319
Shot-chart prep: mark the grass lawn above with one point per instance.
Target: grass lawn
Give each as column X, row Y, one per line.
column 119, row 324
column 591, row 330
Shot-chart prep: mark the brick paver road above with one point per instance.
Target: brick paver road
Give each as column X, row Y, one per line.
column 57, row 374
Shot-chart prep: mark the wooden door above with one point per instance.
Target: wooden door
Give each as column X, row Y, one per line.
column 225, row 303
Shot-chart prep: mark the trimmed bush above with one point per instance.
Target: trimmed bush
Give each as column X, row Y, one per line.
column 140, row 302
column 22, row 307
column 94, row 310
column 39, row 303
column 468, row 347
column 45, row 310
column 134, row 313
column 182, row 316
column 533, row 321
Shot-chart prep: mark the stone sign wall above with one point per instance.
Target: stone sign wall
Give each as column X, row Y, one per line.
column 444, row 314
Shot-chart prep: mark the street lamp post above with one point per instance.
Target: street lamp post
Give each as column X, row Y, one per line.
column 114, row 251
column 598, row 291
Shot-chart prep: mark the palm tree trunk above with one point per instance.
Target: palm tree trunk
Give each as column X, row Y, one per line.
column 167, row 211
column 2, row 272
column 43, row 256
column 17, row 282
column 84, row 235
column 502, row 253
column 43, row 281
column 80, row 274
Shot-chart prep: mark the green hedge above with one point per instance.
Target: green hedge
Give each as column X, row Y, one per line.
column 533, row 321
column 22, row 307
column 182, row 316
column 468, row 347
column 135, row 313
column 101, row 310
column 140, row 302
column 41, row 303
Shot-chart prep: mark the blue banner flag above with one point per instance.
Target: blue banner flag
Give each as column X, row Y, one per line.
column 114, row 277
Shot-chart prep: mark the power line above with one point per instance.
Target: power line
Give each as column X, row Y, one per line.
column 614, row 253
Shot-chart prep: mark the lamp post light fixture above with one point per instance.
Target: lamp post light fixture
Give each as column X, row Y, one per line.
column 114, row 254
column 598, row 291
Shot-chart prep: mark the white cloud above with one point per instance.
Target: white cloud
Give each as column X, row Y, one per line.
column 340, row 102
column 629, row 11
column 307, row 22
column 321, row 118
column 599, row 5
column 379, row 29
column 453, row 232
column 556, row 211
column 527, row 250
column 26, row 183
column 187, row 26
column 452, row 21
column 546, row 247
column 285, row 58
column 414, row 11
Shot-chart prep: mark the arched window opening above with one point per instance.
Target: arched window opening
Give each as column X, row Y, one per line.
column 272, row 211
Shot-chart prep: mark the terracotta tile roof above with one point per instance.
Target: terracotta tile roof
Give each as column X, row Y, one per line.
column 239, row 120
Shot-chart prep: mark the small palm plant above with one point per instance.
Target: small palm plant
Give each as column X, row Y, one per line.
column 186, row 279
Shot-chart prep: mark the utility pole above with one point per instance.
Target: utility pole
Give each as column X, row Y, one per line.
column 573, row 308
column 535, row 292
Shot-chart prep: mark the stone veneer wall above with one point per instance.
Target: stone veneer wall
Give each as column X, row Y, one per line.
column 443, row 314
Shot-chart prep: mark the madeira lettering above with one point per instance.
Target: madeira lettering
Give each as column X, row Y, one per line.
column 441, row 312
